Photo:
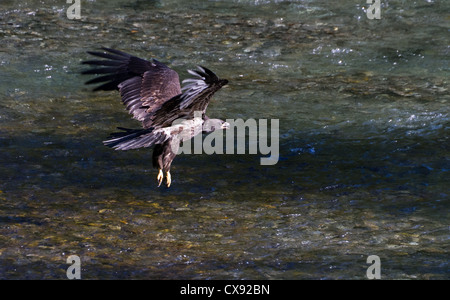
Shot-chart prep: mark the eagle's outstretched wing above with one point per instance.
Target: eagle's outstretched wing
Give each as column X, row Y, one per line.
column 150, row 90
column 144, row 85
column 197, row 93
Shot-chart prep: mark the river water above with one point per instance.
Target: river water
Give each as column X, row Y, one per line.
column 363, row 110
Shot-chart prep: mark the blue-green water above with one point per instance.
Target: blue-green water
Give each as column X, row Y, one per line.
column 363, row 107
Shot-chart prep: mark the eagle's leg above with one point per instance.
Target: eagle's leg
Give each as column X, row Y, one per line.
column 163, row 155
column 168, row 178
column 160, row 177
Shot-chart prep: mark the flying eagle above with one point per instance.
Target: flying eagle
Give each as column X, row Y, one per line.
column 152, row 93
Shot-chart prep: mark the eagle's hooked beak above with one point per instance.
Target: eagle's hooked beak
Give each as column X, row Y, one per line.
column 225, row 125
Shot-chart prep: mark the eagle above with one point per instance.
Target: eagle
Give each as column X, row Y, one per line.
column 152, row 94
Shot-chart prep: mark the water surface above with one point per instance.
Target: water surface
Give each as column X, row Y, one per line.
column 363, row 107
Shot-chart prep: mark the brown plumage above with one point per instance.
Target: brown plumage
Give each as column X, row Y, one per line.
column 152, row 94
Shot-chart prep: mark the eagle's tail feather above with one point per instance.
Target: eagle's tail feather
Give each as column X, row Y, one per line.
column 132, row 139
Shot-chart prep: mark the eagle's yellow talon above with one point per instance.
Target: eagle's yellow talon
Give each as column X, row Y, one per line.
column 160, row 177
column 168, row 179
